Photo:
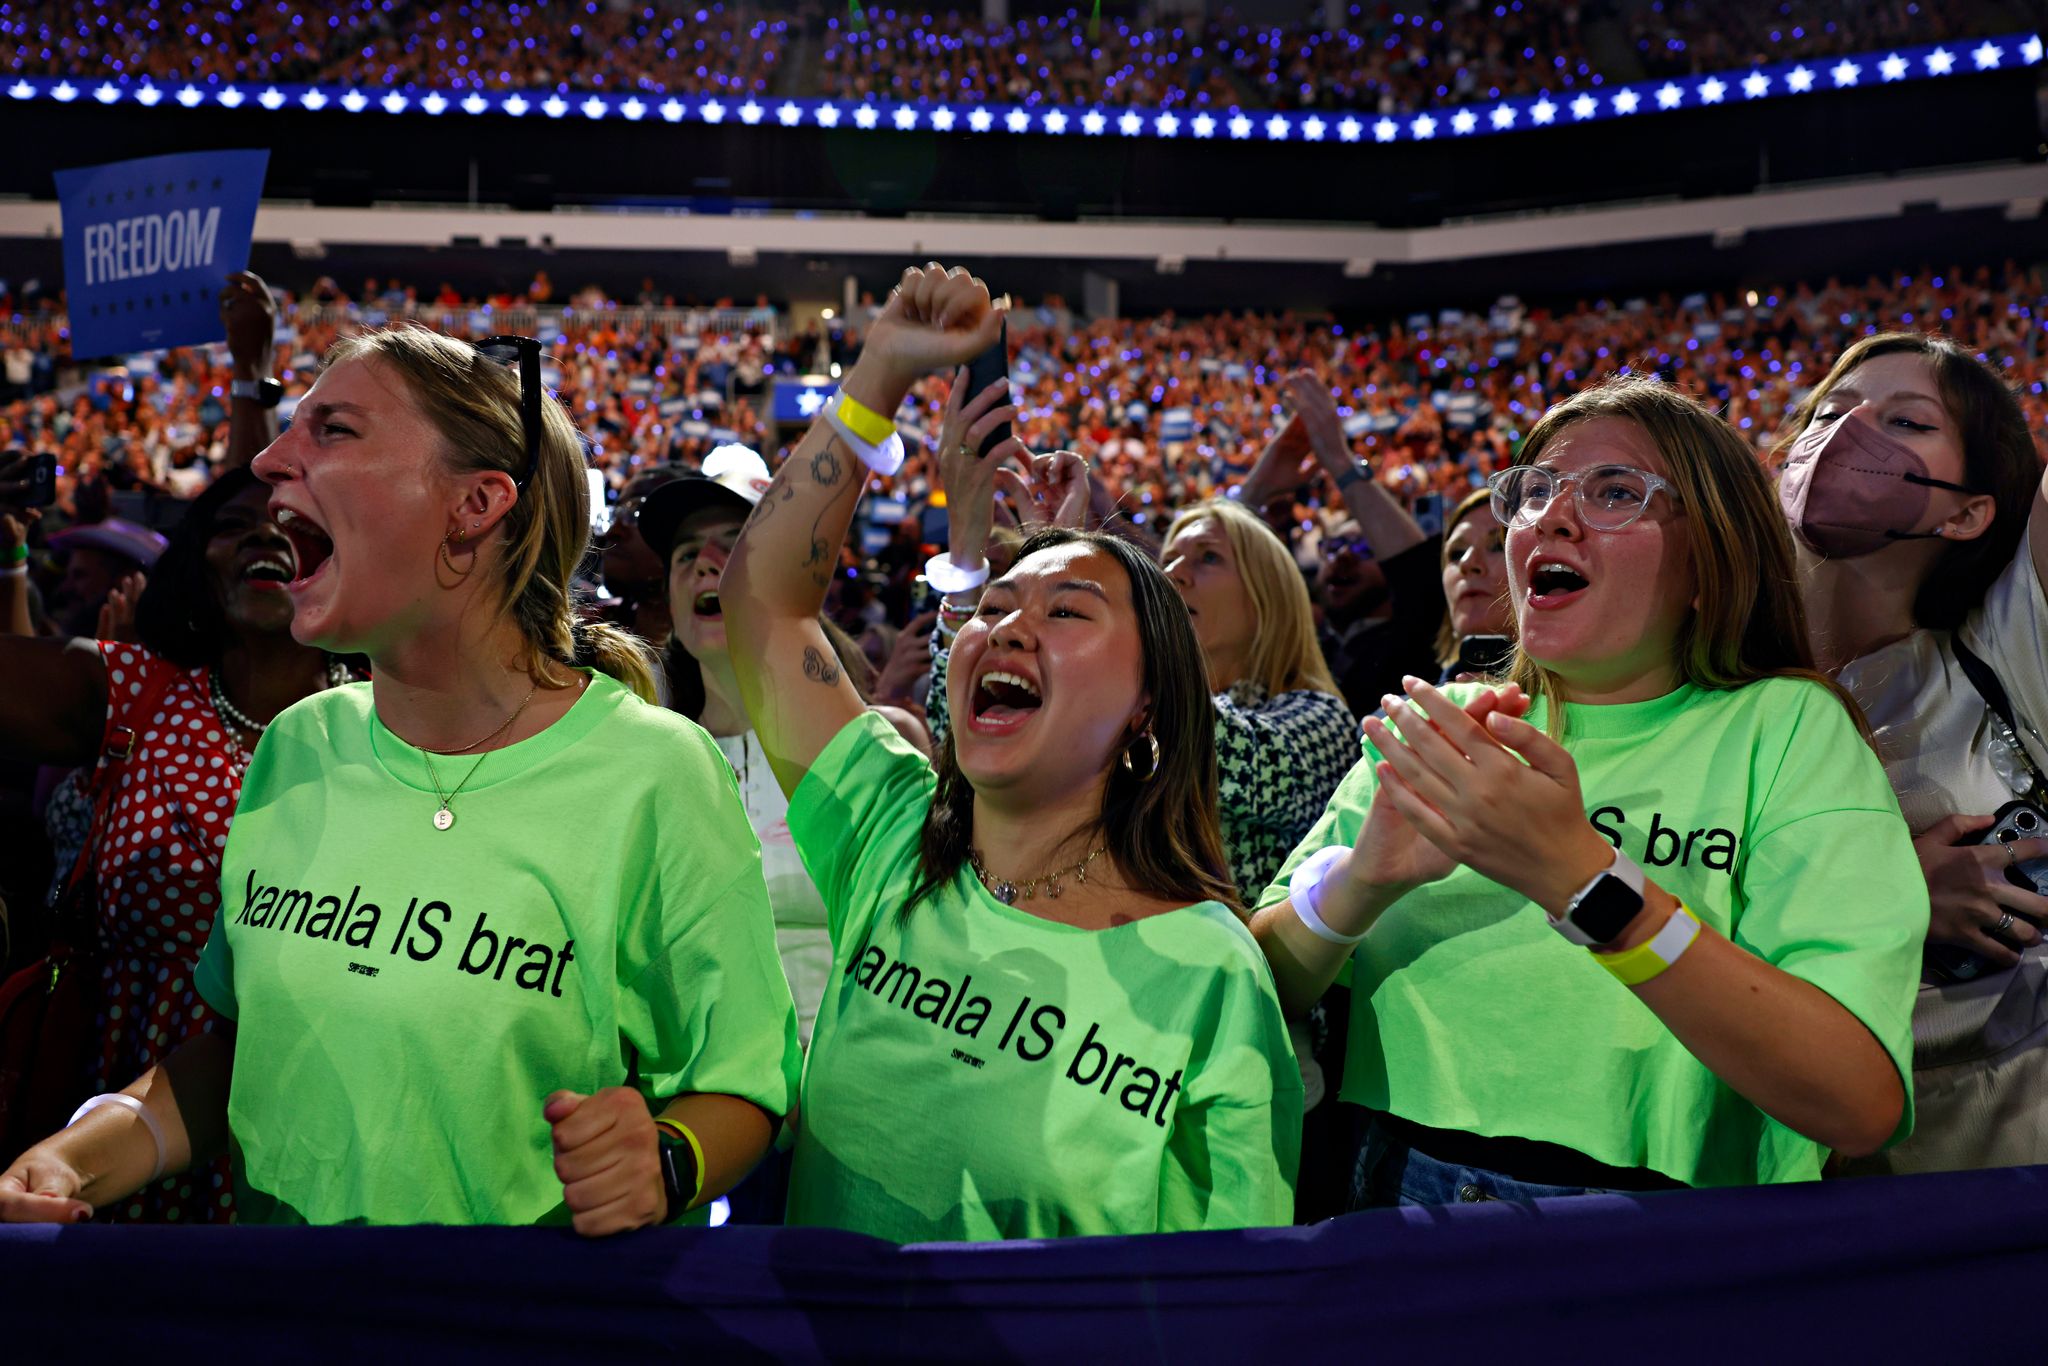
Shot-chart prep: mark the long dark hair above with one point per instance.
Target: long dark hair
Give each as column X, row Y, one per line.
column 180, row 615
column 1998, row 458
column 1160, row 824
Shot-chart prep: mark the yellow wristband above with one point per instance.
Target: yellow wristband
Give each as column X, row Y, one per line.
column 677, row 1129
column 864, row 422
column 1633, row 967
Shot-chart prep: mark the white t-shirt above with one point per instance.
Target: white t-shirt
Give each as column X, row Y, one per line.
column 800, row 934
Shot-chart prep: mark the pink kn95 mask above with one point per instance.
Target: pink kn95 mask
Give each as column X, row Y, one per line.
column 1849, row 489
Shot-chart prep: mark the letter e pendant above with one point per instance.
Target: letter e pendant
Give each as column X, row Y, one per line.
column 443, row 818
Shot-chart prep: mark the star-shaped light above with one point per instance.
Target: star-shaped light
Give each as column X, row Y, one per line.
column 2030, row 50
column 554, row 106
column 789, row 114
column 1312, row 128
column 672, row 110
column 1017, row 121
column 1584, row 107
column 828, row 116
column 714, row 112
column 230, row 98
column 750, row 113
column 1626, row 101
column 1846, row 72
column 1756, row 85
column 269, row 99
column 1240, row 126
column 394, row 103
column 1940, row 62
column 867, row 116
column 980, row 120
column 809, row 400
column 1543, row 111
column 515, row 104
column 22, row 90
column 905, row 117
column 942, row 118
column 1504, row 116
column 435, row 102
column 1130, row 123
column 1093, row 122
column 1893, row 68
column 1277, row 128
column 1205, row 126
column 1986, row 56
column 1423, row 127
column 595, row 108
column 66, row 92
column 148, row 96
column 1385, row 130
column 107, row 93
column 187, row 97
column 1799, row 80
column 472, row 103
column 1669, row 96
column 634, row 109
column 1712, row 89
column 1167, row 124
column 1464, row 121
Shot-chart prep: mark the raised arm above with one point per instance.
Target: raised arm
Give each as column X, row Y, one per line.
column 249, row 313
column 1384, row 523
column 794, row 691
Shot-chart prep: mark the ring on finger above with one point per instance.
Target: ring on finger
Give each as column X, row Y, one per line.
column 2012, row 855
column 2004, row 923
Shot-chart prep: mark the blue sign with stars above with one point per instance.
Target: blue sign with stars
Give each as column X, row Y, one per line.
column 149, row 243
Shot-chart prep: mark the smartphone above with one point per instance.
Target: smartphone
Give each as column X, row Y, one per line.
column 984, row 370
column 2016, row 820
column 1484, row 655
column 1429, row 513
column 42, row 482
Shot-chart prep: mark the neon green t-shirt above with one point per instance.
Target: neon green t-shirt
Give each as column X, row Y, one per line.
column 1759, row 807
column 977, row 1072
column 406, row 997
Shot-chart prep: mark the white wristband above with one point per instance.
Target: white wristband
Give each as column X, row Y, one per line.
column 15, row 571
column 884, row 459
column 1305, row 892
column 126, row 1102
column 947, row 575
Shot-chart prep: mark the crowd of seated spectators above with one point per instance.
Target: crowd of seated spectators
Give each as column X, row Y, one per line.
column 1167, row 409
column 1390, row 55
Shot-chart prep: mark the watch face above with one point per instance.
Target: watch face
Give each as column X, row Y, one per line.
column 1606, row 909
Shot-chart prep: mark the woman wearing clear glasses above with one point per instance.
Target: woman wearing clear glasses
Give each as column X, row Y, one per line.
column 1645, row 916
column 493, row 937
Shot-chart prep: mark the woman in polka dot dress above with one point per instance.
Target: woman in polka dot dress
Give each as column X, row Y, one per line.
column 217, row 660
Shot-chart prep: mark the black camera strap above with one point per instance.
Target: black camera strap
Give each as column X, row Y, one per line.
column 1993, row 692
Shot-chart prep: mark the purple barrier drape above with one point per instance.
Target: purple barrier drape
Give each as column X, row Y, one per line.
column 1925, row 1269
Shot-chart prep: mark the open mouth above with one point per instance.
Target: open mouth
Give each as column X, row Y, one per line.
column 311, row 546
column 1551, row 584
column 270, row 570
column 1003, row 698
column 705, row 605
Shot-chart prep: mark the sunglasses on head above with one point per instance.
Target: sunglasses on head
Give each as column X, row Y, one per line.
column 525, row 352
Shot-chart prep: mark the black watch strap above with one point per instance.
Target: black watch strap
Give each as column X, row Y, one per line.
column 680, row 1180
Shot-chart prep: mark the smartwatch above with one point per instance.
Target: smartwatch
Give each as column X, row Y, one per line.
column 1599, row 912
column 266, row 392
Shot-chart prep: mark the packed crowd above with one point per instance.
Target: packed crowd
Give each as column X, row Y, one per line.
column 1731, row 772
column 1387, row 55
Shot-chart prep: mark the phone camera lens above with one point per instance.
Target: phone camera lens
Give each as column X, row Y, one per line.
column 2025, row 820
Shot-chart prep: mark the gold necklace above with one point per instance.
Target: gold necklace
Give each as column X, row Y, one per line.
column 1009, row 893
column 444, row 817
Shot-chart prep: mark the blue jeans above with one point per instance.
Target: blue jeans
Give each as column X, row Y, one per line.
column 1390, row 1173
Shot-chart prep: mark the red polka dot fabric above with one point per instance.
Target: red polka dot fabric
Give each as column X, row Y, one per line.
column 159, row 885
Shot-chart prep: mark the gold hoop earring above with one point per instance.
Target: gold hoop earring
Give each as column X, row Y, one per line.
column 1132, row 768
column 449, row 560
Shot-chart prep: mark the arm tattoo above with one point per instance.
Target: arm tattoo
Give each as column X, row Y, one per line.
column 818, row 668
column 825, row 465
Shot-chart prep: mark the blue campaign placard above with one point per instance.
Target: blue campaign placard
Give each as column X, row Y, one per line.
column 797, row 401
column 149, row 243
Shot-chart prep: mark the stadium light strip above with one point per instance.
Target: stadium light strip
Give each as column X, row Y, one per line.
column 1522, row 113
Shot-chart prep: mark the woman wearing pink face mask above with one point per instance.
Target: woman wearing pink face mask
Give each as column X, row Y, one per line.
column 1914, row 492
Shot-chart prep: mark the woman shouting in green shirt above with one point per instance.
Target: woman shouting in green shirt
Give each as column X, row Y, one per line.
column 1665, row 930
column 1045, row 1018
